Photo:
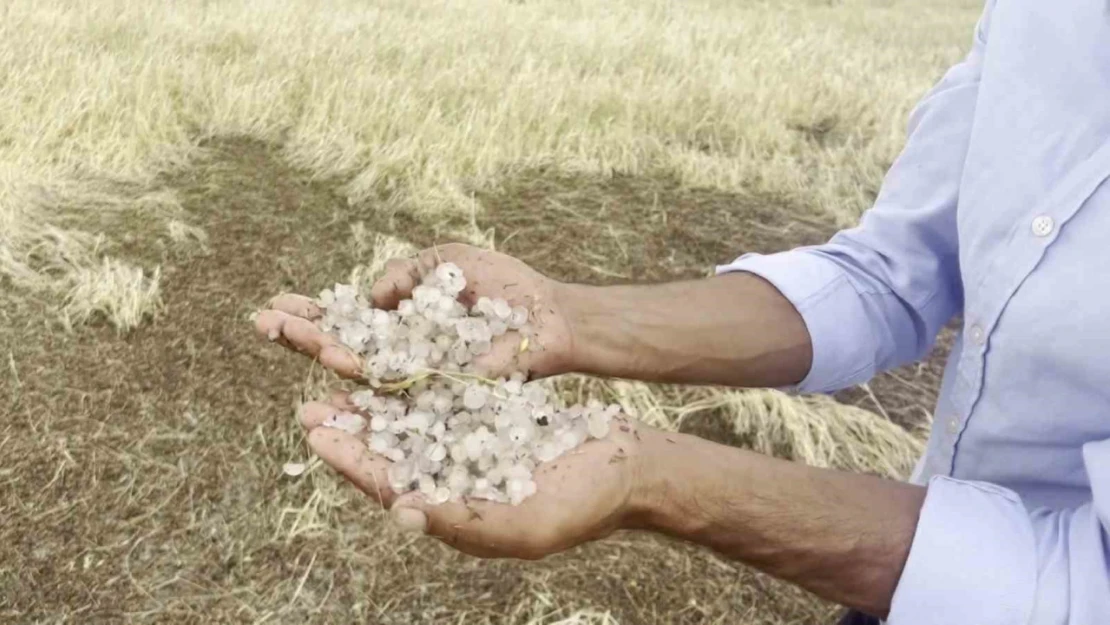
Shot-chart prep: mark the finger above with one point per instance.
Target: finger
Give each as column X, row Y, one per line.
column 303, row 336
column 400, row 278
column 342, row 400
column 313, row 414
column 268, row 323
column 350, row 457
column 296, row 305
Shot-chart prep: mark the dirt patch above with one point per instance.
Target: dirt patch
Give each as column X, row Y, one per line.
column 128, row 450
column 141, row 480
column 622, row 228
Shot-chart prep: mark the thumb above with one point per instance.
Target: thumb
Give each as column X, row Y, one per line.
column 409, row 513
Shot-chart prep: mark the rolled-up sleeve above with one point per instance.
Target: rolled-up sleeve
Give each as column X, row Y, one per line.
column 979, row 556
column 875, row 296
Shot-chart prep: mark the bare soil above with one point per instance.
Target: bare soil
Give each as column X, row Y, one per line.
column 141, row 479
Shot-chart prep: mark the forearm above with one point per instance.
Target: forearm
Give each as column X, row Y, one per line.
column 842, row 536
column 734, row 330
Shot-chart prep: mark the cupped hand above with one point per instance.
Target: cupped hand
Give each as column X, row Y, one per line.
column 581, row 496
column 291, row 319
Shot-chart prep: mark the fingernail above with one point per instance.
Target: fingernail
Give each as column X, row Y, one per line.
column 273, row 334
column 410, row 519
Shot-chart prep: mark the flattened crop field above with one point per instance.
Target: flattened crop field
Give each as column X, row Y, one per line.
column 167, row 167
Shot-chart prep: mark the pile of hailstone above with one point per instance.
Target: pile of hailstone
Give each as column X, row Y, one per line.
column 449, row 432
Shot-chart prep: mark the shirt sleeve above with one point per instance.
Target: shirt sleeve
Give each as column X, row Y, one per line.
column 979, row 556
column 875, row 296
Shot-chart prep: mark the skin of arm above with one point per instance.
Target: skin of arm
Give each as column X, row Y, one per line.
column 732, row 330
column 842, row 536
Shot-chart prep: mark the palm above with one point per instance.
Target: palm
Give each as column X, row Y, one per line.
column 581, row 496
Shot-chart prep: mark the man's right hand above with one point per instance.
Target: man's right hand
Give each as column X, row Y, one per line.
column 290, row 319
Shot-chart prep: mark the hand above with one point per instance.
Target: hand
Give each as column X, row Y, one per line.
column 290, row 318
column 581, row 496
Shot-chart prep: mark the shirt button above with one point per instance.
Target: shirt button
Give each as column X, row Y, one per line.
column 953, row 426
column 977, row 334
column 1043, row 225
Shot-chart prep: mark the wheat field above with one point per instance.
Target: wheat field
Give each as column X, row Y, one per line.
column 167, row 167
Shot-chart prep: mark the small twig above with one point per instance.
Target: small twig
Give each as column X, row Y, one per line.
column 15, row 371
column 874, row 398
column 304, row 578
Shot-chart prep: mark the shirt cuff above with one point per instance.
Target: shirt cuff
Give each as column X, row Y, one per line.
column 973, row 559
column 838, row 324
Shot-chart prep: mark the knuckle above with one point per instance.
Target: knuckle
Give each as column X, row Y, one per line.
column 397, row 264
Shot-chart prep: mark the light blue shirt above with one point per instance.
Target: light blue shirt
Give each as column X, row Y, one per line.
column 999, row 209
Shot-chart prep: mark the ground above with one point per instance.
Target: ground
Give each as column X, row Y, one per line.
column 164, row 171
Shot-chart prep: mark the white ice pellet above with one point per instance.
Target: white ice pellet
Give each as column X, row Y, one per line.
column 349, row 422
column 426, row 484
column 419, row 420
column 443, row 403
column 436, row 452
column 400, row 475
column 501, row 309
column 518, row 317
column 440, row 495
column 293, row 469
column 448, row 272
column 382, row 442
column 475, row 397
column 459, row 453
column 598, row 426
column 535, row 394
column 520, row 435
column 362, row 398
column 484, row 306
column 438, row 429
column 546, row 452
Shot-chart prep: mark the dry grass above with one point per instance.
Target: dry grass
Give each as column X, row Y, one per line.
column 803, row 99
column 114, row 290
column 191, row 159
column 815, row 430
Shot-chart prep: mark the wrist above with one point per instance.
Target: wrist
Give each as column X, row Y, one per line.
column 660, row 482
column 573, row 300
column 686, row 486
